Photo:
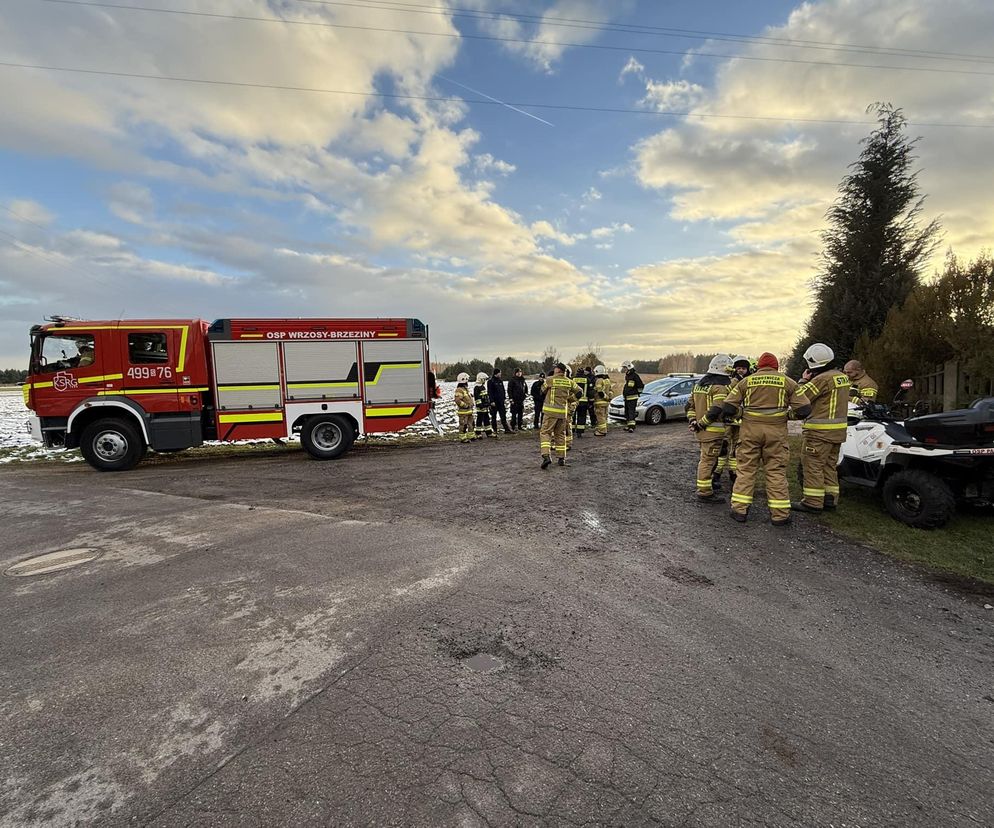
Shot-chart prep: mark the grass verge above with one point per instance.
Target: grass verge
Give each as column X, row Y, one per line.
column 962, row 547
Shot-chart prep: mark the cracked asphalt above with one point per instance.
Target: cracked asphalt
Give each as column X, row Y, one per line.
column 270, row 640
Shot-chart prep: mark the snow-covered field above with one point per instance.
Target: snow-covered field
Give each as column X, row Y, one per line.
column 16, row 443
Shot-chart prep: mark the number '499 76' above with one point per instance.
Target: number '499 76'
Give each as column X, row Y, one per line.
column 150, row 372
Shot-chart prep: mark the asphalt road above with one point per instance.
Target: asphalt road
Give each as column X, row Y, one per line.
column 445, row 634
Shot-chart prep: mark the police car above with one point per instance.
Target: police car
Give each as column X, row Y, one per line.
column 662, row 399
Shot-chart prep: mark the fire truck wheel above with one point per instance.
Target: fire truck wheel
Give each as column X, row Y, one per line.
column 112, row 445
column 327, row 437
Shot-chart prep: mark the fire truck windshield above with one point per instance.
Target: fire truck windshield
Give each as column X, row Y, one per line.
column 60, row 352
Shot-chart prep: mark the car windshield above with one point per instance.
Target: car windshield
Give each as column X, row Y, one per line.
column 659, row 385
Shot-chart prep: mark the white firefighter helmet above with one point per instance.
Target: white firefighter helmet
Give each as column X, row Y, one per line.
column 569, row 371
column 600, row 371
column 481, row 377
column 818, row 355
column 719, row 364
column 463, row 377
column 743, row 359
column 627, row 365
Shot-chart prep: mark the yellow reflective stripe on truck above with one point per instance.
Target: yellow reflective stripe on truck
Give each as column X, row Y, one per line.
column 322, row 384
column 384, row 366
column 273, row 417
column 267, row 387
column 179, row 390
column 390, row 412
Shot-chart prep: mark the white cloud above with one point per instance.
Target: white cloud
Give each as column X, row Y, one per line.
column 486, row 163
column 543, row 44
column 609, row 231
column 26, row 211
column 131, row 202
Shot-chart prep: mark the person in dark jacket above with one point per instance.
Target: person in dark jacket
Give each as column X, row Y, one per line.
column 631, row 389
column 517, row 390
column 498, row 400
column 538, row 398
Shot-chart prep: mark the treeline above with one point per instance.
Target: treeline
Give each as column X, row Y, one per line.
column 871, row 302
column 10, row 376
column 508, row 365
column 950, row 318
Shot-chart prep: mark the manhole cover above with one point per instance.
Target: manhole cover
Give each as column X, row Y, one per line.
column 484, row 663
column 53, row 562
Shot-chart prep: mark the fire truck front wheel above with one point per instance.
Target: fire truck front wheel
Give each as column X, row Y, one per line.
column 327, row 437
column 112, row 445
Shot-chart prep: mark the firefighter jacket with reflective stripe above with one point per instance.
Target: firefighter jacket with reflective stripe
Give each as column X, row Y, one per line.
column 481, row 396
column 581, row 381
column 633, row 385
column 735, row 419
column 464, row 400
column 558, row 393
column 603, row 390
column 766, row 397
column 707, row 399
column 591, row 387
column 828, row 393
column 863, row 388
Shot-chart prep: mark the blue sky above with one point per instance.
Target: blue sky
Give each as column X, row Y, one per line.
column 639, row 233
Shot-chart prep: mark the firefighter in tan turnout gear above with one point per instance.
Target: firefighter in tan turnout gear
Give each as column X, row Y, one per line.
column 863, row 388
column 827, row 389
column 765, row 399
column 709, row 393
column 559, row 391
column 465, row 408
column 603, row 392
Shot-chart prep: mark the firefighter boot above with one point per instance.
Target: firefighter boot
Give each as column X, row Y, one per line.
column 801, row 506
column 562, row 461
column 829, row 502
column 546, row 461
column 716, row 482
column 738, row 517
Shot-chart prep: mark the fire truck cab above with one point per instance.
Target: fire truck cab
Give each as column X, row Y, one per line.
column 115, row 389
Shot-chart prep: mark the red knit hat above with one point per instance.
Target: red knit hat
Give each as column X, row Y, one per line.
column 767, row 360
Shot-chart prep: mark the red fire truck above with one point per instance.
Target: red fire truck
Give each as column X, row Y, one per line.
column 117, row 388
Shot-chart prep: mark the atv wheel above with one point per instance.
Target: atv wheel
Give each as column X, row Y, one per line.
column 919, row 499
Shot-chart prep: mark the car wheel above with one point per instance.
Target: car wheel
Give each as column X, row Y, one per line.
column 919, row 499
column 327, row 437
column 655, row 415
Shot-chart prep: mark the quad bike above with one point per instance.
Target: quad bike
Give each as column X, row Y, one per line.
column 925, row 466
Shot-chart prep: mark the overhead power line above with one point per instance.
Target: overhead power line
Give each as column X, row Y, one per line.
column 473, row 101
column 655, row 31
column 458, row 35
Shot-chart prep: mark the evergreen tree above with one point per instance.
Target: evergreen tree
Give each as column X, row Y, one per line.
column 875, row 248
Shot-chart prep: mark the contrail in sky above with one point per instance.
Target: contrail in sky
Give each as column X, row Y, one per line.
column 496, row 100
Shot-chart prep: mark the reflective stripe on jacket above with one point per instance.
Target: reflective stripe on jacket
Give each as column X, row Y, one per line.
column 558, row 393
column 766, row 397
column 828, row 393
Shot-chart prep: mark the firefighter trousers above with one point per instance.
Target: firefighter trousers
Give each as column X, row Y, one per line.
column 819, row 465
column 600, row 417
column 763, row 445
column 483, row 423
column 552, row 437
column 466, row 431
column 710, row 455
column 630, row 405
column 581, row 415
